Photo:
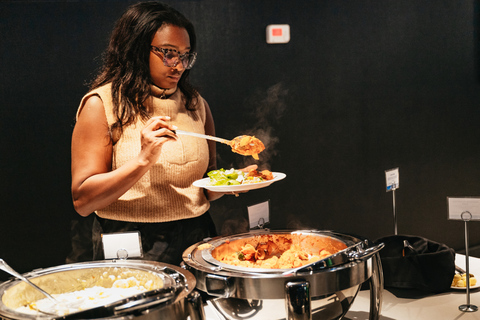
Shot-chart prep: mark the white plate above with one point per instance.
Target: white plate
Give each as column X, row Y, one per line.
column 465, row 288
column 203, row 183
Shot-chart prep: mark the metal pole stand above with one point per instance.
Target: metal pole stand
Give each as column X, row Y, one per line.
column 376, row 288
column 394, row 187
column 467, row 216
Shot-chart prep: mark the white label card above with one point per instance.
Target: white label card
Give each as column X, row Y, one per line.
column 122, row 245
column 393, row 179
column 467, row 208
column 259, row 214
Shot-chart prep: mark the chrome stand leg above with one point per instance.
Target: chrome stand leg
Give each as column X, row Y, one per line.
column 195, row 306
column 376, row 288
column 297, row 300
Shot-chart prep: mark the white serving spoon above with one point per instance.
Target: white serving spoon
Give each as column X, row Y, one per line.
column 235, row 143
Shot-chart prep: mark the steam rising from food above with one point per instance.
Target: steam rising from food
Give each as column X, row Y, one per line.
column 267, row 109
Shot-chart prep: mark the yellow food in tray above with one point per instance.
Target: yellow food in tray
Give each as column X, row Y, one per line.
column 88, row 298
column 460, row 280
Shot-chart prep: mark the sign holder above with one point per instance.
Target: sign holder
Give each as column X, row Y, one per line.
column 122, row 245
column 259, row 215
column 457, row 210
column 393, row 182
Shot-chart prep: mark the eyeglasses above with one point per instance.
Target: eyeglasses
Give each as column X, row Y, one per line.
column 171, row 57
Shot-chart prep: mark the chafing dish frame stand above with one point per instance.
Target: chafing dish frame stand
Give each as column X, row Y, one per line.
column 298, row 303
column 297, row 292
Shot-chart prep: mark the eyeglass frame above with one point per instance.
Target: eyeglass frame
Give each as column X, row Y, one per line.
column 181, row 57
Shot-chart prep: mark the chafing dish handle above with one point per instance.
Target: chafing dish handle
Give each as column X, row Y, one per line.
column 164, row 297
column 365, row 254
column 219, row 286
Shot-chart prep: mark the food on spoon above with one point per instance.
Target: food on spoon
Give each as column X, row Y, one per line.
column 460, row 280
column 232, row 176
column 247, row 146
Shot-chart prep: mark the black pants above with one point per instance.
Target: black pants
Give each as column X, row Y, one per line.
column 163, row 242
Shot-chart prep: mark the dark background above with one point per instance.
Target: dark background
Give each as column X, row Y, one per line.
column 362, row 87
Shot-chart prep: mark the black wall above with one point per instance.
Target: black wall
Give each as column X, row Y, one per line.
column 362, row 87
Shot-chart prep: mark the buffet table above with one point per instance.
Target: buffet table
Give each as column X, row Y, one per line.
column 406, row 304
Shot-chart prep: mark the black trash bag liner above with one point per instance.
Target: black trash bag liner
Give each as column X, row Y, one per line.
column 429, row 266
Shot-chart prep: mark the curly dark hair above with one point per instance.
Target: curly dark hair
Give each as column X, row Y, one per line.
column 126, row 60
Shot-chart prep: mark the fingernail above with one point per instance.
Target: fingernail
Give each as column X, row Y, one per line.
column 174, row 127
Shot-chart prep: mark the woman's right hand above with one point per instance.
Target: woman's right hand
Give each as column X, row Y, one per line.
column 156, row 132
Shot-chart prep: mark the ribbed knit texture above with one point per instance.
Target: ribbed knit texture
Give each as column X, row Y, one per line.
column 165, row 192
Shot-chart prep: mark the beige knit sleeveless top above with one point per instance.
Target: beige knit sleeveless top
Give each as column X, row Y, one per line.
column 165, row 192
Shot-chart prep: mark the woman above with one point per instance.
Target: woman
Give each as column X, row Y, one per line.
column 128, row 166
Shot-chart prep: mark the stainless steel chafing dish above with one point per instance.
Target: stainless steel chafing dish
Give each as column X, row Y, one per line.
column 173, row 296
column 322, row 290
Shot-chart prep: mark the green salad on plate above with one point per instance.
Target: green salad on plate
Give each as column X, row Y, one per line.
column 224, row 177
